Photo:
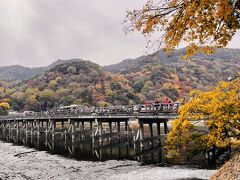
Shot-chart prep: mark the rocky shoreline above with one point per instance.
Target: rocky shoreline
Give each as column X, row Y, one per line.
column 230, row 170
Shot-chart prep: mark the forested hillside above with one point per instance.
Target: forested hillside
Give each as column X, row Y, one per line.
column 76, row 81
column 225, row 56
column 159, row 75
column 80, row 82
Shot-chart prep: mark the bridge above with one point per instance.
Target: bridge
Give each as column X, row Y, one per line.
column 98, row 127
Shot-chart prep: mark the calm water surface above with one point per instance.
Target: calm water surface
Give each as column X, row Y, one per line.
column 83, row 148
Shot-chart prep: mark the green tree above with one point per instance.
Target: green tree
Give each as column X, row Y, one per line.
column 72, row 70
column 147, row 87
column 47, row 99
column 137, row 86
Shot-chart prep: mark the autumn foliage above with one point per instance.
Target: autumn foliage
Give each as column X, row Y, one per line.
column 80, row 82
column 218, row 110
column 196, row 23
column 4, row 106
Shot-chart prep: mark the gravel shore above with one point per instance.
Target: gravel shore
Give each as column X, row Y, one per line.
column 18, row 162
column 230, row 170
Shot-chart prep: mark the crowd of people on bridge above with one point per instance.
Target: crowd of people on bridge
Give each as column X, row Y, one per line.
column 166, row 105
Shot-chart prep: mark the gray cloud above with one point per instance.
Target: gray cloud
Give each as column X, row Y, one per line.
column 35, row 33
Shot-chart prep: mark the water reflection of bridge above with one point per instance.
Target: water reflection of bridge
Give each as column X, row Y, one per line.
column 82, row 147
column 98, row 128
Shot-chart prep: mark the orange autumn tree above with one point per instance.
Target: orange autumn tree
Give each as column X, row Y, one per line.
column 4, row 106
column 196, row 23
column 218, row 109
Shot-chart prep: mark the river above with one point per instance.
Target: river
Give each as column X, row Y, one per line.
column 18, row 162
column 38, row 157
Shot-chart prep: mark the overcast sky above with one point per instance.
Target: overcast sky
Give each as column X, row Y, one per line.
column 38, row 32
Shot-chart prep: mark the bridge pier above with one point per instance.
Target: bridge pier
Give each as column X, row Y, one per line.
column 82, row 130
column 118, row 130
column 17, row 129
column 32, row 132
column 150, row 121
column 3, row 129
column 151, row 133
column 110, row 130
column 30, row 127
column 10, row 130
column 165, row 127
column 101, row 129
column 141, row 133
column 91, row 125
column 38, row 128
column 27, row 131
column 62, row 126
column 53, row 127
column 47, row 125
column 159, row 132
column 127, row 129
column 83, row 127
column 73, row 131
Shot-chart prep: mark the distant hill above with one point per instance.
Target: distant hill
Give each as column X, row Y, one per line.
column 160, row 75
column 225, row 56
column 19, row 73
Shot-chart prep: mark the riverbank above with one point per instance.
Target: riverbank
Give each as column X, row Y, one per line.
column 230, row 170
column 18, row 162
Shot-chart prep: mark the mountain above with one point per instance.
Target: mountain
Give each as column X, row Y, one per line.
column 70, row 82
column 158, row 75
column 19, row 73
column 225, row 56
column 76, row 81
